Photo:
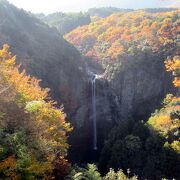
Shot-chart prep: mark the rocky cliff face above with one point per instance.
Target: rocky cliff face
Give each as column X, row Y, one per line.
column 139, row 83
column 106, row 115
column 130, row 88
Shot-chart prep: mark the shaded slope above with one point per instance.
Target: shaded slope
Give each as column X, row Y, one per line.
column 43, row 53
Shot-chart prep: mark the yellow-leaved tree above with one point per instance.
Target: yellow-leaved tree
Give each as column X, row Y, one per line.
column 33, row 131
column 166, row 121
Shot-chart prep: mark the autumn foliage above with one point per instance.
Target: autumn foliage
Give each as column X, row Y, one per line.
column 32, row 130
column 166, row 121
column 174, row 67
column 124, row 33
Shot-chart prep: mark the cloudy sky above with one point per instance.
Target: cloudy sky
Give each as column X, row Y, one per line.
column 48, row 6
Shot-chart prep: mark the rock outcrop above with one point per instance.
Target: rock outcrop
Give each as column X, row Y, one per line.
column 139, row 83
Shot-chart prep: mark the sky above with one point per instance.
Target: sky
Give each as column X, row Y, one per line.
column 49, row 6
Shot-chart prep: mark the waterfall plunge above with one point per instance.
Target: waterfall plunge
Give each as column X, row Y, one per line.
column 93, row 82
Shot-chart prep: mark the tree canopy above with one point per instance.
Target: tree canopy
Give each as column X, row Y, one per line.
column 33, row 140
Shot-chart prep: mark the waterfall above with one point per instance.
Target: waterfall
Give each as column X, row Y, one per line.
column 93, row 81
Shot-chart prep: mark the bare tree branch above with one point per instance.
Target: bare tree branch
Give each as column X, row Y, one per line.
column 5, row 89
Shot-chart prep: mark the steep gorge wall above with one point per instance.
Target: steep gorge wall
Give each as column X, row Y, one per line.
column 140, row 84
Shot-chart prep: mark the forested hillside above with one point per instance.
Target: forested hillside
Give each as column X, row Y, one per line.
column 33, row 139
column 108, row 94
column 106, row 11
column 65, row 22
column 128, row 33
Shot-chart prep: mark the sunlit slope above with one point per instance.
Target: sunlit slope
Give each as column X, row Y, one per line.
column 127, row 33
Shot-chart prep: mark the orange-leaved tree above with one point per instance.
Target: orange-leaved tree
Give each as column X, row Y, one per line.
column 174, row 67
